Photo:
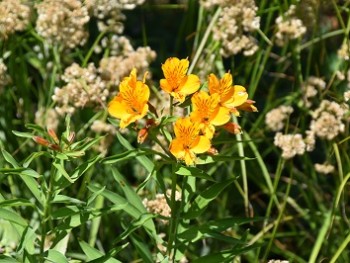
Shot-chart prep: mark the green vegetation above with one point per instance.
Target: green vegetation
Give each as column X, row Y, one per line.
column 123, row 139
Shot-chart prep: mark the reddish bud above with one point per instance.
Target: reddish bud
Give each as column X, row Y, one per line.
column 212, row 151
column 233, row 128
column 55, row 147
column 248, row 106
column 142, row 135
column 41, row 141
column 53, row 135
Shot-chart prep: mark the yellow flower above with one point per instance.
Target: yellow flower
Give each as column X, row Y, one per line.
column 131, row 102
column 208, row 112
column 230, row 96
column 188, row 142
column 176, row 82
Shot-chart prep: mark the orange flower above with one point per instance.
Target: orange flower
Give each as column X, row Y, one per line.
column 131, row 102
column 208, row 112
column 176, row 82
column 188, row 142
column 230, row 96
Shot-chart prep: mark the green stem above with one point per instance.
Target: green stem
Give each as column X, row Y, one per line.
column 275, row 184
column 280, row 215
column 46, row 220
column 171, row 249
column 243, row 171
column 204, row 40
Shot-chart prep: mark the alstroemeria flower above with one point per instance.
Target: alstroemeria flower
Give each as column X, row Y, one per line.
column 188, row 142
column 131, row 102
column 230, row 96
column 176, row 82
column 208, row 112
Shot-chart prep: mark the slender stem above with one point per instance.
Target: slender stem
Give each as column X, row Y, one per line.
column 243, row 171
column 280, row 215
column 275, row 185
column 47, row 211
column 204, row 40
column 171, row 249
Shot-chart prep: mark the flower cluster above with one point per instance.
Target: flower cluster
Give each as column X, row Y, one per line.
column 4, row 77
column 236, row 23
column 125, row 58
column 324, row 168
column 291, row 144
column 275, row 119
column 327, row 120
column 62, row 22
column 160, row 206
column 84, row 88
column 15, row 16
column 109, row 13
column 311, row 87
column 193, row 133
column 289, row 27
column 344, row 51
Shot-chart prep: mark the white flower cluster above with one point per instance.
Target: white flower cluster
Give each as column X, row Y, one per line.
column 237, row 21
column 4, row 77
column 289, row 27
column 310, row 88
column 109, row 13
column 327, row 120
column 15, row 16
column 62, row 22
column 275, row 119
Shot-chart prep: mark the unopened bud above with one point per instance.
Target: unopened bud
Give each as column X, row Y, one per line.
column 41, row 141
column 212, row 151
column 71, row 137
column 53, row 135
column 233, row 128
column 142, row 135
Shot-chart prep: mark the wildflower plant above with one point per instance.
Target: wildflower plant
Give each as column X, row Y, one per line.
column 189, row 138
column 129, row 131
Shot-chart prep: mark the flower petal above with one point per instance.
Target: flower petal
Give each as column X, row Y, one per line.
column 190, row 84
column 201, row 145
column 221, row 116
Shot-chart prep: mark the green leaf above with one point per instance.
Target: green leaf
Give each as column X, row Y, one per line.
column 128, row 208
column 55, row 256
column 20, row 171
column 32, row 157
column 221, row 257
column 129, row 192
column 67, row 200
column 32, row 184
column 35, row 127
column 62, row 171
column 16, row 202
column 23, row 134
column 219, row 158
column 133, row 226
column 131, row 154
column 27, row 241
column 92, row 253
column 143, row 249
column 193, row 171
column 13, row 217
column 85, row 144
column 207, row 229
column 8, row 157
column 81, row 169
column 203, row 199
column 146, row 162
column 6, row 259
